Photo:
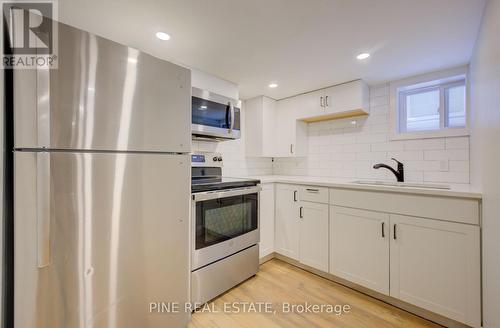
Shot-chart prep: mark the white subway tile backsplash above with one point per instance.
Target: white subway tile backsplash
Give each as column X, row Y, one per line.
column 457, row 143
column 371, row 138
column 449, row 177
column 388, row 146
column 379, row 119
column 430, row 144
column 414, row 176
column 381, row 127
column 372, row 156
column 448, row 154
column 379, row 101
column 379, row 110
column 406, row 155
column 379, row 91
column 342, row 139
column 353, row 149
column 459, row 166
column 341, row 149
column 356, row 148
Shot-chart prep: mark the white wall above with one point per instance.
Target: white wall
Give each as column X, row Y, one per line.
column 485, row 141
column 339, row 149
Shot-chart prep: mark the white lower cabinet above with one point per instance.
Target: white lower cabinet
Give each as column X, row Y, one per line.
column 287, row 221
column 313, row 235
column 431, row 263
column 436, row 265
column 359, row 247
column 266, row 211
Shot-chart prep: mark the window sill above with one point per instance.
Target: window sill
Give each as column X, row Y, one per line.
column 430, row 134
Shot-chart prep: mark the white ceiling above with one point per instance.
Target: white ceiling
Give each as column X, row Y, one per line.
column 300, row 44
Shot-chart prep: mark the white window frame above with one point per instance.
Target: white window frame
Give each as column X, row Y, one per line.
column 432, row 81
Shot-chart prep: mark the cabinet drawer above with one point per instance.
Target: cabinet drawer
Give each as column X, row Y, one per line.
column 313, row 194
column 435, row 207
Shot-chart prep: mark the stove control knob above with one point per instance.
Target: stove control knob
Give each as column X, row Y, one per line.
column 219, row 159
column 215, row 159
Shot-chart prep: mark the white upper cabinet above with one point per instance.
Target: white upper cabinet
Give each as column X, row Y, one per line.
column 272, row 129
column 279, row 128
column 343, row 100
column 310, row 104
column 260, row 124
column 290, row 135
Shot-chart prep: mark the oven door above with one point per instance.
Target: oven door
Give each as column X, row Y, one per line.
column 214, row 116
column 224, row 223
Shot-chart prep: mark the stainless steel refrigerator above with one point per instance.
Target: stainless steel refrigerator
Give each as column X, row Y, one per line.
column 101, row 188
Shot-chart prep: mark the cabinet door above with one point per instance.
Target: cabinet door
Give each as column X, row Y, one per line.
column 266, row 203
column 287, row 221
column 436, row 265
column 359, row 247
column 313, row 249
column 285, row 128
column 347, row 97
column 311, row 104
column 290, row 133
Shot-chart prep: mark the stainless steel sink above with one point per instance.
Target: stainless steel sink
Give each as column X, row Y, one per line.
column 402, row 184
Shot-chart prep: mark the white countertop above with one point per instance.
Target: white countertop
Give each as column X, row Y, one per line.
column 462, row 191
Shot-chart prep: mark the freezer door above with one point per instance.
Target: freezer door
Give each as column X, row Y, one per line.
column 99, row 238
column 103, row 96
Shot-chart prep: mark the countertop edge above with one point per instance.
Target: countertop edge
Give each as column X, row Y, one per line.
column 390, row 189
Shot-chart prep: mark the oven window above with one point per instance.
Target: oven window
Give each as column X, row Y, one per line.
column 209, row 113
column 225, row 218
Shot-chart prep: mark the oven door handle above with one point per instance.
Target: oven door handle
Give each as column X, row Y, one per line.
column 226, row 193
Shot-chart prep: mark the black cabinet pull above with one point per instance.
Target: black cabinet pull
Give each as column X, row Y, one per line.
column 300, row 213
column 395, row 232
column 295, row 195
column 383, row 229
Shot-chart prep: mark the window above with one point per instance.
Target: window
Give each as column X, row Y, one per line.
column 430, row 106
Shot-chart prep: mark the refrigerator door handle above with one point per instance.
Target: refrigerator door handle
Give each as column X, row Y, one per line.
column 43, row 208
column 43, row 106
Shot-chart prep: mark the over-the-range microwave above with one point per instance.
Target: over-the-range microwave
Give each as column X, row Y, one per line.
column 214, row 117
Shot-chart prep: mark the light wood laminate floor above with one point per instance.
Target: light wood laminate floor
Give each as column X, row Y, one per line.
column 279, row 282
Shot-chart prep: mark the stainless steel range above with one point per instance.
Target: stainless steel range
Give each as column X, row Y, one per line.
column 225, row 228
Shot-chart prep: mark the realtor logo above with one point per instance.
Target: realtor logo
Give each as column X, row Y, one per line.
column 31, row 33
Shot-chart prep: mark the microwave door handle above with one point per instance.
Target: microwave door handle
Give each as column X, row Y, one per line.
column 231, row 127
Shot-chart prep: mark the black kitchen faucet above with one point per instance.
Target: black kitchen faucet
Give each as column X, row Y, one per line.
column 400, row 173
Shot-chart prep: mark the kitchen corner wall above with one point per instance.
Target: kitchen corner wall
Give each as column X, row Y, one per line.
column 340, row 149
column 236, row 164
column 485, row 99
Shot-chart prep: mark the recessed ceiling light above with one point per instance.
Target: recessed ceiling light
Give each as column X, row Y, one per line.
column 273, row 85
column 363, row 56
column 162, row 36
